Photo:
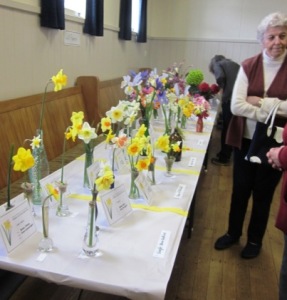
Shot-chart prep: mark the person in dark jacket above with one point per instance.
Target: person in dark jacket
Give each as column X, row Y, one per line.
column 225, row 72
column 277, row 157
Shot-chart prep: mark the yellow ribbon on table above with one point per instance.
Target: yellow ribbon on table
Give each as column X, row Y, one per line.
column 174, row 210
column 181, row 171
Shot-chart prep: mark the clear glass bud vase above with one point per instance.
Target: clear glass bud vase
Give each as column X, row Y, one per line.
column 134, row 191
column 39, row 170
column 46, row 243
column 89, row 159
column 91, row 237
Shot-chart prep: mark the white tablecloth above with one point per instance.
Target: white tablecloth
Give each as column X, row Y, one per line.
column 126, row 265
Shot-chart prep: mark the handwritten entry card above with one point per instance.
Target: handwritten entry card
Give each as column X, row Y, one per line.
column 16, row 225
column 116, row 204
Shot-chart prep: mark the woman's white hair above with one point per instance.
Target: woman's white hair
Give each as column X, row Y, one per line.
column 272, row 20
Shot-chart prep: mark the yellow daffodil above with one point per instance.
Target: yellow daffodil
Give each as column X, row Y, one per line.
column 163, row 143
column 105, row 181
column 106, row 124
column 23, row 160
column 143, row 164
column 175, row 147
column 141, row 131
column 77, row 118
column 134, row 149
column 36, row 142
column 87, row 133
column 60, row 80
column 53, row 191
column 110, row 136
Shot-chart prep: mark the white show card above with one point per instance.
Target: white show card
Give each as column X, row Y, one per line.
column 162, row 244
column 93, row 171
column 144, row 186
column 192, row 162
column 122, row 162
column 180, row 191
column 116, row 204
column 16, row 225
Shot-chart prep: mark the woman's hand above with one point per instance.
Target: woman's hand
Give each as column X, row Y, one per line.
column 254, row 100
column 273, row 159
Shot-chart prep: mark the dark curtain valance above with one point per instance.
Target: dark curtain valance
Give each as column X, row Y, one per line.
column 141, row 37
column 125, row 20
column 94, row 22
column 52, row 14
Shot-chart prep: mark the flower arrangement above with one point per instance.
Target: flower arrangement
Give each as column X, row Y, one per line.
column 139, row 150
column 201, row 107
column 83, row 131
column 104, row 179
column 166, row 145
column 208, row 91
column 194, row 78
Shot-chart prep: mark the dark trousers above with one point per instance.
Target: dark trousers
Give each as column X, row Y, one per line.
column 258, row 181
column 226, row 150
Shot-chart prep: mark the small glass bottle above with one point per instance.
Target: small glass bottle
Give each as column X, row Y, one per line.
column 91, row 237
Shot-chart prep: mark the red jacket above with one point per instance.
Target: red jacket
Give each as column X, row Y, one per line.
column 281, row 220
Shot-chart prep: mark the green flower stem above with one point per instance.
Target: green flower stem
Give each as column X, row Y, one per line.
column 63, row 158
column 91, row 232
column 43, row 104
column 9, row 177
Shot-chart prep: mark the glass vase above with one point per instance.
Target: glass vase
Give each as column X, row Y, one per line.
column 46, row 243
column 62, row 208
column 169, row 163
column 183, row 121
column 39, row 170
column 27, row 188
column 199, row 124
column 151, row 170
column 91, row 237
column 134, row 191
column 89, row 159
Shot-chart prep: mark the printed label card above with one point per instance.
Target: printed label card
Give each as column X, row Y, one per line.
column 93, row 171
column 122, row 162
column 144, row 186
column 116, row 204
column 16, row 225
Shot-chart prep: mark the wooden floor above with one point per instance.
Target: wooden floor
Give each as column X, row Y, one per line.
column 201, row 272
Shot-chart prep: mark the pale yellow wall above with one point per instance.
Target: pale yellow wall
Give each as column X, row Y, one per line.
column 209, row 19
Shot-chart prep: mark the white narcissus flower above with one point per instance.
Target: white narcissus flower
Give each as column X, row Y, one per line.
column 87, row 133
column 36, row 142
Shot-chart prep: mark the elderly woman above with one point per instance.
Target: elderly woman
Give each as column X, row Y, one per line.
column 261, row 82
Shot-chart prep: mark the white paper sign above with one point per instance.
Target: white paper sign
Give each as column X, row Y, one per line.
column 122, row 162
column 179, row 191
column 93, row 171
column 162, row 243
column 16, row 225
column 144, row 186
column 192, row 162
column 116, row 204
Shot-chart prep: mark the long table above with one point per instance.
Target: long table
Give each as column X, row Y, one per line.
column 127, row 265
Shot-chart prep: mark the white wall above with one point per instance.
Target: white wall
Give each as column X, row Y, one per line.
column 179, row 30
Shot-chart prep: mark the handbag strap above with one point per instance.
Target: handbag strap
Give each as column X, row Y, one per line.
column 272, row 114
